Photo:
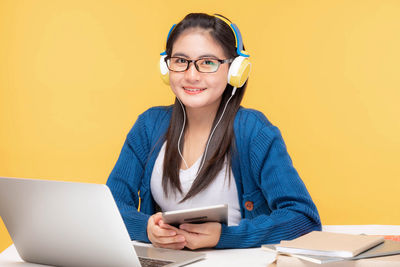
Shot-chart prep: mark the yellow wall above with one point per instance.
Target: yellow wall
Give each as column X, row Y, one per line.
column 74, row 75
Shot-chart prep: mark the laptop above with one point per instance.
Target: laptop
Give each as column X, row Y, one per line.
column 74, row 224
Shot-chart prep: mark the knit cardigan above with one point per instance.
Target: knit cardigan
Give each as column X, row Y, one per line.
column 274, row 202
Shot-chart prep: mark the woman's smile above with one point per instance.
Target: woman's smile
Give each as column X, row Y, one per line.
column 193, row 90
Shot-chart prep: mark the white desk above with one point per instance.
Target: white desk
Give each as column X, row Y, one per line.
column 254, row 257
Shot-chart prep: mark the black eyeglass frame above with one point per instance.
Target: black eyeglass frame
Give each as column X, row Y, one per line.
column 221, row 61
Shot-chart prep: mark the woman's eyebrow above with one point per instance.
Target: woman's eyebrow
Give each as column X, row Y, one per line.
column 179, row 55
column 186, row 56
column 208, row 55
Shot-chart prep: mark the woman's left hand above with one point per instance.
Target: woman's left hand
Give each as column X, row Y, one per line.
column 204, row 235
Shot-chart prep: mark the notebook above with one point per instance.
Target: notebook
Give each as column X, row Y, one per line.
column 388, row 261
column 387, row 248
column 329, row 244
column 73, row 224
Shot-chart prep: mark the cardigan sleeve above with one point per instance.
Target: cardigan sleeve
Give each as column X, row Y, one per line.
column 283, row 208
column 125, row 180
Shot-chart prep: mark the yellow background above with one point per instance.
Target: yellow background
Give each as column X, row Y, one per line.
column 74, row 75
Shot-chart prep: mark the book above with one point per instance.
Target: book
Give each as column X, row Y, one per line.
column 310, row 258
column 388, row 261
column 387, row 248
column 329, row 244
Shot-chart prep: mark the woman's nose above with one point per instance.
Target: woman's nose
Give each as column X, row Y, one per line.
column 191, row 73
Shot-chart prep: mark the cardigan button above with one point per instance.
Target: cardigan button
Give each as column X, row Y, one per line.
column 249, row 205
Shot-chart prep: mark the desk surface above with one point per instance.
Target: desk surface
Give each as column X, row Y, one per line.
column 232, row 257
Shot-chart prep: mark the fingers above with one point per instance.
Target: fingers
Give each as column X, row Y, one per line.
column 202, row 228
column 165, row 237
column 192, row 240
column 170, row 240
column 161, row 232
column 193, row 236
column 204, row 235
column 167, row 226
column 194, row 228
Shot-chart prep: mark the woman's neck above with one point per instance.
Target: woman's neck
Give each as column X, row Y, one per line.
column 199, row 124
column 200, row 118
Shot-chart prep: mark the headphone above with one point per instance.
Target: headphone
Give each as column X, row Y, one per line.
column 239, row 69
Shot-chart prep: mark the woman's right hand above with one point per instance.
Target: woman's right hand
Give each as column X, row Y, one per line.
column 164, row 235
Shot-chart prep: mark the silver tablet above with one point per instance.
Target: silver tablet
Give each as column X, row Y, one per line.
column 217, row 213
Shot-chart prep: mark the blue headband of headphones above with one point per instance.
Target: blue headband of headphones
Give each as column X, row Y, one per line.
column 236, row 32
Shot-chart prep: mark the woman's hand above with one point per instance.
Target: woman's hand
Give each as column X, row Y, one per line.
column 204, row 235
column 164, row 235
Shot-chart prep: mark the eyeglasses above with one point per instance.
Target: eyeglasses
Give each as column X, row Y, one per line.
column 204, row 65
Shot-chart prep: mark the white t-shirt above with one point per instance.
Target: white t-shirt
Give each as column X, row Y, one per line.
column 220, row 191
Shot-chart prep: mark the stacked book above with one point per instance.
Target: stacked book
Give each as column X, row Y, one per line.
column 334, row 249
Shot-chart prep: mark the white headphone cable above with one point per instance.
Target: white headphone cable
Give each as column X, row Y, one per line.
column 209, row 138
column 180, row 135
column 212, row 133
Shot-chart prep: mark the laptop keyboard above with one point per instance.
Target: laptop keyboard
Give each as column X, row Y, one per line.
column 146, row 262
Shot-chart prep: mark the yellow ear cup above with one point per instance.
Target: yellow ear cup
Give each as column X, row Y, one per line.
column 165, row 78
column 239, row 71
column 164, row 71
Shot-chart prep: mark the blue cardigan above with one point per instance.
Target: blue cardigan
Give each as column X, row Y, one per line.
column 274, row 202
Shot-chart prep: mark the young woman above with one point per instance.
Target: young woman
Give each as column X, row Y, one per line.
column 206, row 150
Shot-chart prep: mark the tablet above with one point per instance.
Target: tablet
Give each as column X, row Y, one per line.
column 217, row 213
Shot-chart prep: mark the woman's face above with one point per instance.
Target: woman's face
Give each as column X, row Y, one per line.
column 197, row 90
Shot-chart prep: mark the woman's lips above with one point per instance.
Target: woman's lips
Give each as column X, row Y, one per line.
column 193, row 90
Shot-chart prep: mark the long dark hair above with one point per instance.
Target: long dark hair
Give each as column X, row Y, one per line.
column 222, row 142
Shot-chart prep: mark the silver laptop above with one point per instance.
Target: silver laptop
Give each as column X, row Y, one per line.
column 74, row 224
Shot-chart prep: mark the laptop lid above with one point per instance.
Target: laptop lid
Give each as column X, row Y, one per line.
column 67, row 224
